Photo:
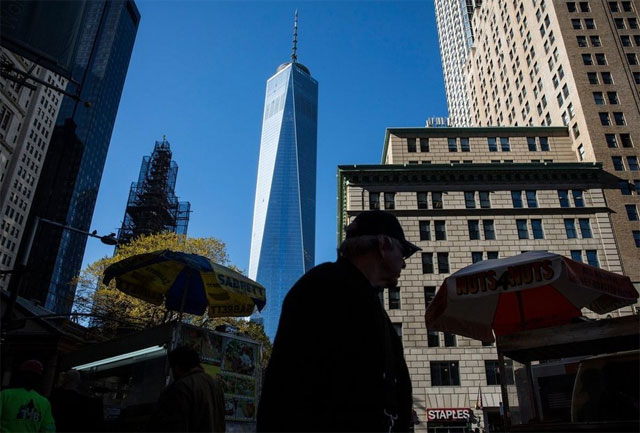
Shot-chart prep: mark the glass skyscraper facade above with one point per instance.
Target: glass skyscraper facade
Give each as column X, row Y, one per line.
column 283, row 237
column 73, row 167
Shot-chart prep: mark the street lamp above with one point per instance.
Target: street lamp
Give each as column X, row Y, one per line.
column 14, row 282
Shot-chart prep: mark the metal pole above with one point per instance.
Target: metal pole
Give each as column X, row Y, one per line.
column 506, row 415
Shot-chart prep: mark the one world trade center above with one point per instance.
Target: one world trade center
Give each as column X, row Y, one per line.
column 283, row 236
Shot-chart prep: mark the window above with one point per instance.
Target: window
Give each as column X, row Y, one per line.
column 592, row 258
column 585, row 228
column 476, row 256
column 625, row 187
column 374, row 200
column 632, row 58
column 619, row 23
column 570, row 228
column 633, row 23
column 576, row 23
column 492, row 370
column 398, row 328
column 595, row 41
column 441, row 230
column 424, row 145
column 427, row 263
column 485, row 199
column 436, row 200
column 617, row 163
column 450, row 340
column 531, row 142
column 464, row 144
column 516, row 198
column 425, row 231
column 607, row 78
column 491, row 141
column 389, row 200
column 578, row 198
column 636, row 76
column 474, row 230
column 433, row 338
column 582, row 41
column 618, row 117
column 632, row 163
column 593, row 77
column 492, row 255
column 611, row 140
column 523, row 231
column 453, row 145
column 544, row 144
column 581, row 152
column 394, row 298
column 411, row 144
column 422, row 200
column 637, row 186
column 625, row 40
column 444, row 373
column 598, row 98
column 504, row 144
column 563, row 197
column 536, row 227
column 584, row 7
column 632, row 212
column 443, row 263
column 625, row 139
column 589, row 23
column 587, row 60
column 626, row 6
column 604, row 119
column 532, row 200
column 489, row 231
column 571, row 6
column 576, row 255
column 429, row 293
column 601, row 59
column 469, row 199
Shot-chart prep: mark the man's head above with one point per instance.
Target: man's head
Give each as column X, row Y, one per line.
column 375, row 242
column 182, row 360
column 29, row 375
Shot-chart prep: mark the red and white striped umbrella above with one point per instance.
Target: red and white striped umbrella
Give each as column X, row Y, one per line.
column 528, row 291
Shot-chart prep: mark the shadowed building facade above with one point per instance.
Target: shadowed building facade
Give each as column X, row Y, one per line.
column 283, row 236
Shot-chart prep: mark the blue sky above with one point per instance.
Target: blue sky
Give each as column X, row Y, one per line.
column 198, row 73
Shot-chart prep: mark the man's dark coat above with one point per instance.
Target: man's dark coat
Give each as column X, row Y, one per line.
column 326, row 371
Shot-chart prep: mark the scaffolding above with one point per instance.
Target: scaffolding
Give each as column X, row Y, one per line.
column 152, row 206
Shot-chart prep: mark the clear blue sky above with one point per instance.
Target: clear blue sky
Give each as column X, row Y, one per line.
column 198, row 74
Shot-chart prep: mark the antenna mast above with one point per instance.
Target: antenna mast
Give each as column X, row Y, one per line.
column 294, row 53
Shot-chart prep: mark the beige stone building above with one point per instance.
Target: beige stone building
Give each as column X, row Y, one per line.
column 469, row 194
column 27, row 117
column 550, row 62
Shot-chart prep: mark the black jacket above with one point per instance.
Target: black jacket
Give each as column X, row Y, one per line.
column 326, row 371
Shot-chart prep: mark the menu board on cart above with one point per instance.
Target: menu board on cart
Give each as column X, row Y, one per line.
column 234, row 362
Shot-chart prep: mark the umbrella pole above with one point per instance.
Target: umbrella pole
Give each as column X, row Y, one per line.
column 506, row 412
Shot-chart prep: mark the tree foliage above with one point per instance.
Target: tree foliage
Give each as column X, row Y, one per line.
column 114, row 312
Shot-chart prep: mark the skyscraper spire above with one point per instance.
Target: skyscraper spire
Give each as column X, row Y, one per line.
column 294, row 53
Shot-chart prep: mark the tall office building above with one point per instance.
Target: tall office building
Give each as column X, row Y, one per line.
column 28, row 111
column 568, row 63
column 73, row 166
column 283, row 237
column 465, row 195
column 455, row 34
column 152, row 206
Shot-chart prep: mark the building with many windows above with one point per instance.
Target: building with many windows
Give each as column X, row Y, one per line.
column 465, row 195
column 455, row 35
column 283, row 236
column 542, row 62
column 27, row 116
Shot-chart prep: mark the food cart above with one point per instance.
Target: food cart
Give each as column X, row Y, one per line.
column 130, row 372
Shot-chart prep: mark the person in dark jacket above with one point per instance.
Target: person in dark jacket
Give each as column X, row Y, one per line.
column 194, row 402
column 337, row 363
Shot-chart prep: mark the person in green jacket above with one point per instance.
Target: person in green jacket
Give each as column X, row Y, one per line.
column 22, row 408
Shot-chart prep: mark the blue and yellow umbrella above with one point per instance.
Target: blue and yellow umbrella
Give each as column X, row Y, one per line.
column 186, row 283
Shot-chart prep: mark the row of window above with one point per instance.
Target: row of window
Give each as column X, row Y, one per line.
column 618, row 163
column 618, row 118
column 628, row 187
column 461, row 144
column 482, row 199
column 613, row 142
column 447, row 373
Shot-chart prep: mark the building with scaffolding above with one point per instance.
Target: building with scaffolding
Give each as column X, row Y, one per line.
column 152, row 206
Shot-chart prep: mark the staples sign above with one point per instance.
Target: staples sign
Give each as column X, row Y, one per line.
column 448, row 414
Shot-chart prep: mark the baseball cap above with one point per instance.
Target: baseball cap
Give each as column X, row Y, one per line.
column 31, row 366
column 377, row 222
